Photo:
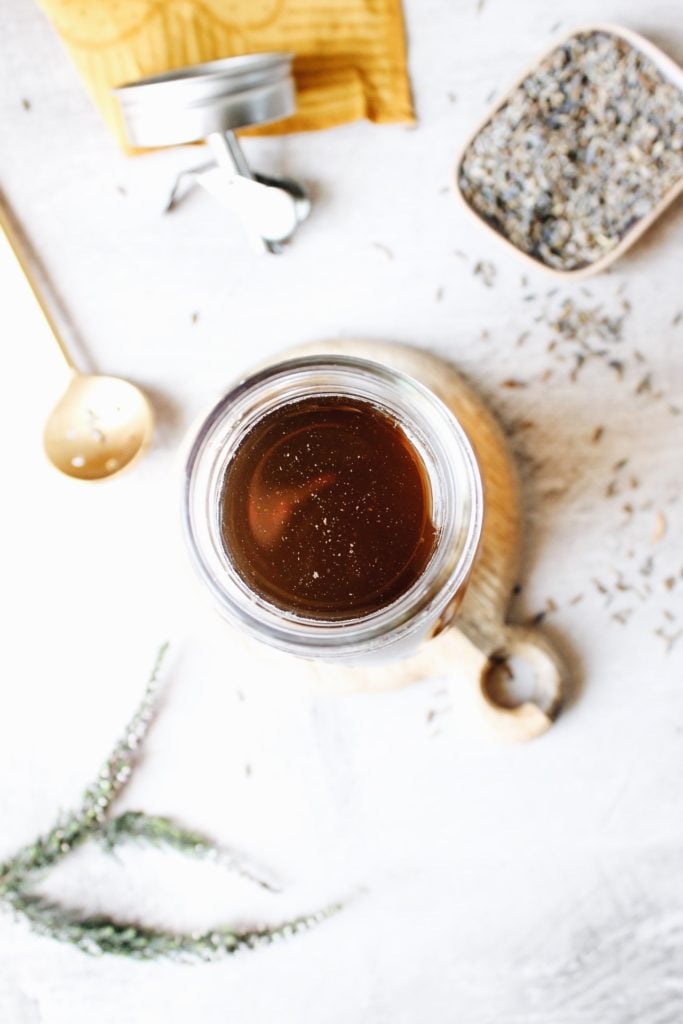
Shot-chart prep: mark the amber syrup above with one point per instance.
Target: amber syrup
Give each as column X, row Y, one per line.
column 327, row 510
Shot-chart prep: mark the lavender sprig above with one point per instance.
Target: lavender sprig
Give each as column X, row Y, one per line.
column 100, row 935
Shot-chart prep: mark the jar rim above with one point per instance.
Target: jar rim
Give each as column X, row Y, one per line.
column 429, row 424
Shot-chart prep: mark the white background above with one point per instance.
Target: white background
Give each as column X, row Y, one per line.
column 529, row 884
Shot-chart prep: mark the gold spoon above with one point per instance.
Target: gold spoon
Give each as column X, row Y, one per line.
column 100, row 424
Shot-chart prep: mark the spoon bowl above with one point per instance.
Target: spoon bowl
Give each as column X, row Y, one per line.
column 100, row 424
column 98, row 427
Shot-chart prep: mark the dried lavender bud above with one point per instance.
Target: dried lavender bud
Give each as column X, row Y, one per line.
column 581, row 151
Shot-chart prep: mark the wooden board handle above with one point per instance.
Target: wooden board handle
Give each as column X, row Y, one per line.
column 488, row 667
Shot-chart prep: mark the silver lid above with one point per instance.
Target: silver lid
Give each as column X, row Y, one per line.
column 191, row 103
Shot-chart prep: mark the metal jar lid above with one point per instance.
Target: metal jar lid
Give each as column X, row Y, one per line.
column 192, row 103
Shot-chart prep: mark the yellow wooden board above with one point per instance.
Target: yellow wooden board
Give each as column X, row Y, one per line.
column 350, row 55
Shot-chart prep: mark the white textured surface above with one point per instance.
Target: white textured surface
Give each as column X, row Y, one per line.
column 537, row 884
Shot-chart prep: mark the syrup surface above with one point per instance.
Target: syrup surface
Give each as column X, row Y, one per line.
column 326, row 509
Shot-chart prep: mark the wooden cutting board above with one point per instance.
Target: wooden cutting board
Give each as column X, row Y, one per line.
column 478, row 651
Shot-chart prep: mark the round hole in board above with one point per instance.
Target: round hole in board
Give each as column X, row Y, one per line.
column 512, row 680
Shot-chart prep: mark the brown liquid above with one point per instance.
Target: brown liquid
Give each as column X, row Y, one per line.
column 326, row 509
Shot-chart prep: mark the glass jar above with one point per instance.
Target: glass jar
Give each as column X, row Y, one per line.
column 396, row 629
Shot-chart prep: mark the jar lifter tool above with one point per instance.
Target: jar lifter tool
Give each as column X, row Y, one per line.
column 210, row 102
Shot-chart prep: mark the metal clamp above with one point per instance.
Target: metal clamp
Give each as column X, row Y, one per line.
column 209, row 102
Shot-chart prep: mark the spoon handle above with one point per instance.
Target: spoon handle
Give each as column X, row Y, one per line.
column 21, row 247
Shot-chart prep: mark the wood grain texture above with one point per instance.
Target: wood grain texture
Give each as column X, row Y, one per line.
column 479, row 636
column 350, row 58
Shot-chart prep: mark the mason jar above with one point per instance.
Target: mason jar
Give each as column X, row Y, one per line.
column 456, row 507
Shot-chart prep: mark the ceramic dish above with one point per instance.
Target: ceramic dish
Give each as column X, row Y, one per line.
column 669, row 70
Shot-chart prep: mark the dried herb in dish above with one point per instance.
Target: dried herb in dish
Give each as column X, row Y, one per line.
column 581, row 151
